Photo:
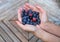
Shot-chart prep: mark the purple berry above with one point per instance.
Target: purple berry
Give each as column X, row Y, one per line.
column 29, row 11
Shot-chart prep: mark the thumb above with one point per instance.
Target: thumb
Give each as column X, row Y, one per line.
column 29, row 28
column 20, row 24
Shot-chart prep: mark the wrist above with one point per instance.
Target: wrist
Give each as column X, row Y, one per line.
column 44, row 25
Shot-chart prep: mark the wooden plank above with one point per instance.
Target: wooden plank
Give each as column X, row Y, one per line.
column 49, row 4
column 12, row 12
column 24, row 33
column 9, row 32
column 11, row 9
column 39, row 41
column 4, row 14
column 33, row 39
column 30, row 35
column 6, row 37
column 9, row 3
column 1, row 39
column 16, row 32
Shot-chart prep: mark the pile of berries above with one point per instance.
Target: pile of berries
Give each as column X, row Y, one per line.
column 30, row 17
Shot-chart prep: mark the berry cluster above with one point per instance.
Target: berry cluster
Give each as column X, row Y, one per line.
column 30, row 17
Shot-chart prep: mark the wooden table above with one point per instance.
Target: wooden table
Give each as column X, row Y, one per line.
column 10, row 31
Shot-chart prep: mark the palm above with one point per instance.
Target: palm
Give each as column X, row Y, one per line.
column 42, row 15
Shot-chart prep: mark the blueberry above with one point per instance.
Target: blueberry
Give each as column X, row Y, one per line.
column 23, row 11
column 23, row 20
column 29, row 11
column 25, row 17
column 34, row 12
column 25, row 14
column 37, row 17
column 30, row 17
column 22, row 15
column 27, row 22
column 32, row 23
column 38, row 21
column 37, row 13
column 35, row 24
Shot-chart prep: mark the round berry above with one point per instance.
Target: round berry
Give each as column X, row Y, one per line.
column 27, row 22
column 30, row 14
column 34, row 19
column 23, row 11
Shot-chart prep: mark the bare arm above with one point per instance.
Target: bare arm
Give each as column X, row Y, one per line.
column 48, row 32
column 52, row 28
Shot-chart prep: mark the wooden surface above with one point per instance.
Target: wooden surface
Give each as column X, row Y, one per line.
column 10, row 31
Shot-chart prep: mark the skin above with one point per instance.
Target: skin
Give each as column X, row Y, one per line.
column 46, row 31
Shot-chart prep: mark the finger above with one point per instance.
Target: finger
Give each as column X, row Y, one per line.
column 26, row 8
column 40, row 9
column 45, row 36
column 30, row 28
column 44, row 18
column 20, row 24
column 26, row 27
column 43, row 15
column 29, row 6
column 19, row 14
column 38, row 26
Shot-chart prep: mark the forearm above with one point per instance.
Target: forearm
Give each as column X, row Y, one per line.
column 46, row 36
column 51, row 27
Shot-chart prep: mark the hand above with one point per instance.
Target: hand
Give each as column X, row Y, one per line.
column 29, row 28
column 37, row 30
column 42, row 15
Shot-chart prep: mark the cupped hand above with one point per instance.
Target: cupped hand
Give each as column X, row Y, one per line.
column 37, row 30
column 42, row 15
